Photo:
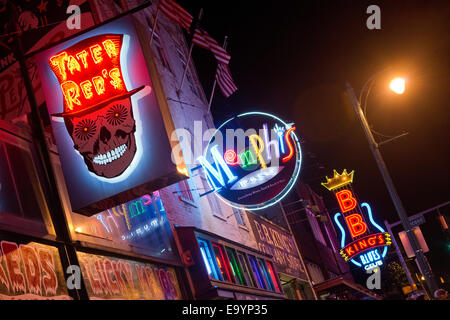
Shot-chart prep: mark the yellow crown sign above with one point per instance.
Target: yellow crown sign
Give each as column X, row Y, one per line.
column 338, row 180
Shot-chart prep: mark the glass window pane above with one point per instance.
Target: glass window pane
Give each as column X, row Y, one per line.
column 140, row 225
column 257, row 273
column 265, row 272
column 235, row 266
column 222, row 262
column 246, row 271
column 22, row 203
column 273, row 276
column 208, row 260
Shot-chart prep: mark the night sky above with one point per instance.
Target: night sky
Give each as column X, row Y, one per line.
column 292, row 59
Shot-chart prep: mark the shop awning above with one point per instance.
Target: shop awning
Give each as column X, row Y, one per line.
column 337, row 285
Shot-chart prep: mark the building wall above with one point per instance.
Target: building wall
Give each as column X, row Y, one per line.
column 189, row 111
column 315, row 234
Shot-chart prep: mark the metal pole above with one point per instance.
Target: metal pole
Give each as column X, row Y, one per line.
column 400, row 256
column 215, row 81
column 392, row 191
column 299, row 253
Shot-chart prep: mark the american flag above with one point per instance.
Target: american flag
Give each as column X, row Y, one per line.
column 204, row 40
column 224, row 80
column 176, row 13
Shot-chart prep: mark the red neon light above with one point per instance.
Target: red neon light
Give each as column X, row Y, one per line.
column 366, row 243
column 291, row 148
column 346, row 200
column 356, row 225
column 225, row 262
column 89, row 72
column 96, row 52
column 230, row 157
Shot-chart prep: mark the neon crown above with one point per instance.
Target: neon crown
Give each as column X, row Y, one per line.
column 338, row 180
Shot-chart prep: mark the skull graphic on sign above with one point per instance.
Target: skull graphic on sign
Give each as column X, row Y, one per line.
column 98, row 112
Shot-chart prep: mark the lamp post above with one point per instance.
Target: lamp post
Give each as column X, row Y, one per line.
column 398, row 86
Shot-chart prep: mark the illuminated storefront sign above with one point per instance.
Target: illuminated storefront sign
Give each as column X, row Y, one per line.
column 112, row 278
column 363, row 241
column 140, row 226
column 107, row 123
column 31, row 271
column 252, row 160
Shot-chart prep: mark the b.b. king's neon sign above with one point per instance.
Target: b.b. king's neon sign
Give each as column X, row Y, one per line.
column 252, row 160
column 367, row 245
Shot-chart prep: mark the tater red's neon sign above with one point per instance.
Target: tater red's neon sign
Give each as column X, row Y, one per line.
column 89, row 72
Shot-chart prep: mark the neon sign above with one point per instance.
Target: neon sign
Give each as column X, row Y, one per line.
column 366, row 236
column 93, row 88
column 259, row 163
column 107, row 123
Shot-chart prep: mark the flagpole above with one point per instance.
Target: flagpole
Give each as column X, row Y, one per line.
column 154, row 24
column 224, row 46
column 190, row 50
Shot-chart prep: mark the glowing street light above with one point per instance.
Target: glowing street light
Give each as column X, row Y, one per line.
column 397, row 85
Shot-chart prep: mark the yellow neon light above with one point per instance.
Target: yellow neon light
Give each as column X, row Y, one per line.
column 338, row 180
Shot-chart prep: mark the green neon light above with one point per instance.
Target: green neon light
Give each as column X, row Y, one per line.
column 247, row 158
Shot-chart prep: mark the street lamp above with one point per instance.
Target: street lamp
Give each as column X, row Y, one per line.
column 398, row 86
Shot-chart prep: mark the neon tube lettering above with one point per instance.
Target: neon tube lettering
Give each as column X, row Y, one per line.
column 254, row 139
column 356, row 225
column 269, row 144
column 346, row 200
column 71, row 93
column 291, row 149
column 59, row 62
column 217, row 172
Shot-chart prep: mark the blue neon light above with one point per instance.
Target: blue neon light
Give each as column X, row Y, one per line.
column 369, row 211
column 291, row 183
column 336, row 216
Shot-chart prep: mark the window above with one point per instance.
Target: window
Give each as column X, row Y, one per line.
column 273, row 276
column 235, row 266
column 315, row 227
column 184, row 191
column 208, row 259
column 246, row 271
column 239, row 217
column 315, row 273
column 257, row 273
column 265, row 272
column 21, row 198
column 156, row 44
column 222, row 262
column 189, row 79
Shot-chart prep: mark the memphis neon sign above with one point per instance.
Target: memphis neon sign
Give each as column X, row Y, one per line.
column 262, row 170
column 367, row 243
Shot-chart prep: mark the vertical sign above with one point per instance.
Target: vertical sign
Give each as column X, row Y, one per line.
column 107, row 123
column 363, row 241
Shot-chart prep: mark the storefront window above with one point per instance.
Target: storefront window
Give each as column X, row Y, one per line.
column 246, row 271
column 22, row 204
column 235, row 266
column 108, row 277
column 257, row 272
column 222, row 262
column 208, row 259
column 273, row 276
column 140, row 226
column 266, row 274
column 30, row 270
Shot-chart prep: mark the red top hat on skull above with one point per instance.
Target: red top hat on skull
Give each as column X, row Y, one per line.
column 90, row 74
